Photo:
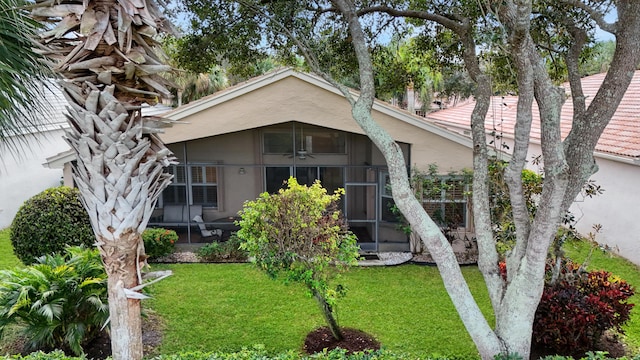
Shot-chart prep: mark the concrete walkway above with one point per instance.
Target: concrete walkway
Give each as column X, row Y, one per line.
column 387, row 259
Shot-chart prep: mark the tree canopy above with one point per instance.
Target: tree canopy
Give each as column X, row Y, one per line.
column 524, row 46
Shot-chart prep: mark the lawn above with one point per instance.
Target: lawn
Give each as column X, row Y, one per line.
column 7, row 258
column 230, row 306
column 226, row 307
column 405, row 307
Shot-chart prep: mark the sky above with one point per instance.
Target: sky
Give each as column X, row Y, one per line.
column 603, row 35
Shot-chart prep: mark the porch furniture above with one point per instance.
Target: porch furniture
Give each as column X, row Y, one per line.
column 204, row 232
column 227, row 225
column 180, row 214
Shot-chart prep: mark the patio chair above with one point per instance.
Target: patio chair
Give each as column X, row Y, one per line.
column 204, row 232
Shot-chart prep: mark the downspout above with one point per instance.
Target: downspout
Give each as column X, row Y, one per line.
column 187, row 190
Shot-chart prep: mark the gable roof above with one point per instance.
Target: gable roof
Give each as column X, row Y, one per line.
column 276, row 109
column 620, row 139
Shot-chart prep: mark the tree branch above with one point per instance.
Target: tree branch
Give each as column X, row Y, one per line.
column 516, row 20
column 572, row 59
column 586, row 130
column 488, row 255
column 596, row 15
column 449, row 23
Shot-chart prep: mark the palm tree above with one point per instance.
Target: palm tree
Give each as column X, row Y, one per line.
column 23, row 75
column 108, row 56
column 194, row 86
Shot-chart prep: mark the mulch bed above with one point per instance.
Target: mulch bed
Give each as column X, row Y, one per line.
column 609, row 342
column 354, row 340
column 152, row 327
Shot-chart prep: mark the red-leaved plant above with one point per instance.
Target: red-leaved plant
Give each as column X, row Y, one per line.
column 577, row 307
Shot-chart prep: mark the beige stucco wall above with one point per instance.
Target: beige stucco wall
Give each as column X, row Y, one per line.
column 292, row 99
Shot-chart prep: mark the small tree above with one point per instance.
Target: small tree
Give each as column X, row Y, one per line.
column 299, row 235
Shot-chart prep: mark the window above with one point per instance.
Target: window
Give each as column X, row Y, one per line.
column 204, row 185
column 202, row 182
column 276, row 178
column 446, row 201
column 176, row 192
column 331, row 178
column 278, row 142
column 312, row 139
column 325, row 141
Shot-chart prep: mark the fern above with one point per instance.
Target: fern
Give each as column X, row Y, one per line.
column 61, row 300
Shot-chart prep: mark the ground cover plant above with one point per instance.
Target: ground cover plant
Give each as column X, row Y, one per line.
column 226, row 251
column 61, row 300
column 578, row 306
column 597, row 258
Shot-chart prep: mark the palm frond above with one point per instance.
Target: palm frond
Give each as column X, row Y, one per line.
column 24, row 77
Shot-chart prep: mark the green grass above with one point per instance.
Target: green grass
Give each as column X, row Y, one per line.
column 7, row 259
column 600, row 260
column 227, row 307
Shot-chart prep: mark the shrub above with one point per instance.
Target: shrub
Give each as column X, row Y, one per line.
column 258, row 353
column 61, row 300
column 578, row 307
column 159, row 242
column 211, row 252
column 223, row 251
column 48, row 222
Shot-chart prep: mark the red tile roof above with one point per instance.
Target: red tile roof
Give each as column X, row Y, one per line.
column 621, row 137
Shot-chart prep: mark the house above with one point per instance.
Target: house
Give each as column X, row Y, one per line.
column 21, row 174
column 249, row 138
column 617, row 156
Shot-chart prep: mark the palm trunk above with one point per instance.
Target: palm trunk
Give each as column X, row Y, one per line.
column 327, row 311
column 120, row 175
column 125, row 325
column 106, row 52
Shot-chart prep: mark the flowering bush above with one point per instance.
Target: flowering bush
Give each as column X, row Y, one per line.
column 159, row 242
column 578, row 307
column 299, row 235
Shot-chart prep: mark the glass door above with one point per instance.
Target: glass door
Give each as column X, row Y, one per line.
column 361, row 210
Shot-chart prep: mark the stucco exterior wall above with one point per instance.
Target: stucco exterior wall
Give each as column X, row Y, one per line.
column 291, row 99
column 616, row 209
column 24, row 177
